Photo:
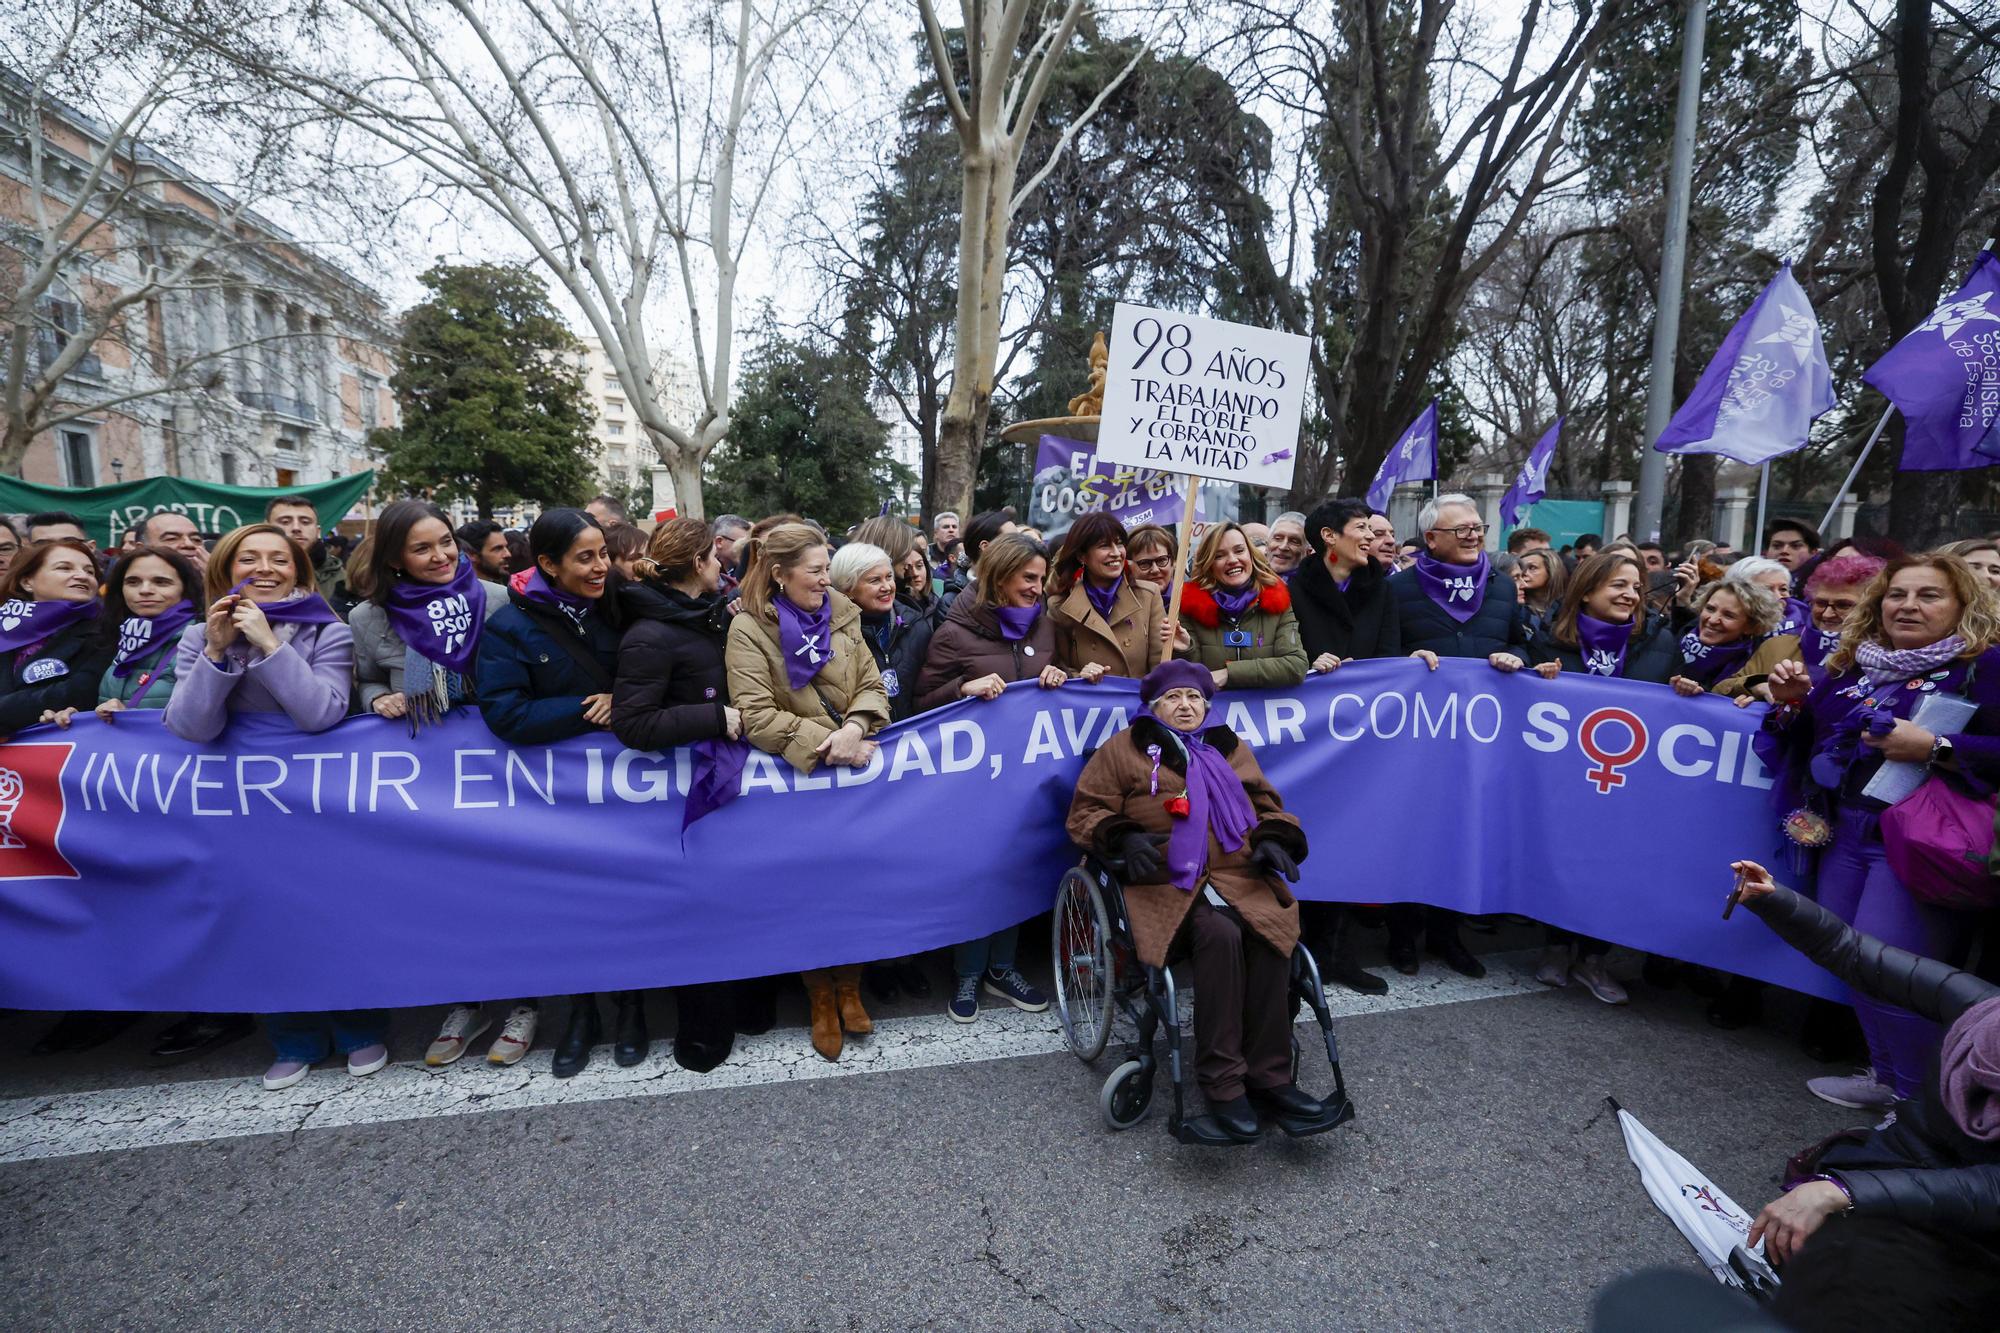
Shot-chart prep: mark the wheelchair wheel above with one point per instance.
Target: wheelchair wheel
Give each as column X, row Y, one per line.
column 1084, row 968
column 1127, row 1095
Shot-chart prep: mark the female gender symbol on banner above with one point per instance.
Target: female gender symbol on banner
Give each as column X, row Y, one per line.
column 1606, row 775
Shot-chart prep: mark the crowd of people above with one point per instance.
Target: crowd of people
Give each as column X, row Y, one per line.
column 806, row 644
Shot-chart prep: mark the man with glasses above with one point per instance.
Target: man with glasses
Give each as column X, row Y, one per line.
column 1450, row 603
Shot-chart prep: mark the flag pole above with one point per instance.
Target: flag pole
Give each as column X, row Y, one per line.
column 1855, row 471
column 1763, row 490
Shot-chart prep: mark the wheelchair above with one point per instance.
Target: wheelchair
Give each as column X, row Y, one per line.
column 1098, row 976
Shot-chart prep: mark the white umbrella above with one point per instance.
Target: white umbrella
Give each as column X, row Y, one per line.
column 1710, row 1219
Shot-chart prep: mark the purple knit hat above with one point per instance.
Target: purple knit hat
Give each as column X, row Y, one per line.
column 1177, row 674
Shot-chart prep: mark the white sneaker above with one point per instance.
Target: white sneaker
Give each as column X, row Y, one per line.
column 1598, row 981
column 1553, row 970
column 367, row 1059
column 516, row 1035
column 1859, row 1091
column 462, row 1026
column 284, row 1074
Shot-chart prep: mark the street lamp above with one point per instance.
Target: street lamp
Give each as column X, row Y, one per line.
column 118, row 469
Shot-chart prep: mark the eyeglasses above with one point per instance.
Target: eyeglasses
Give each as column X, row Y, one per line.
column 1470, row 532
column 1839, row 608
column 1154, row 562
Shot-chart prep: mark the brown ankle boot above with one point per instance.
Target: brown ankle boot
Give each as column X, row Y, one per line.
column 825, row 1012
column 847, row 988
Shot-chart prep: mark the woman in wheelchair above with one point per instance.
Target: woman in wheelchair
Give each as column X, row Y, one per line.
column 1204, row 847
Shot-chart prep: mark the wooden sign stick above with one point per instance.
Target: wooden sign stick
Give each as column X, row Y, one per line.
column 1181, row 556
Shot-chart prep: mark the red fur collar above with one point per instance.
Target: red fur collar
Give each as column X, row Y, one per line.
column 1198, row 604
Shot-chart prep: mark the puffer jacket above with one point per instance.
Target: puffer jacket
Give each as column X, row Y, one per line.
column 1268, row 651
column 150, row 682
column 1125, row 643
column 62, row 673
column 673, row 683
column 901, row 642
column 969, row 645
column 1361, row 621
column 1498, row 626
column 536, row 667
column 1922, row 1168
column 780, row 720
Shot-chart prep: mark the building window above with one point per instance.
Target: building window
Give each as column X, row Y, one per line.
column 369, row 387
column 228, row 468
column 79, row 461
column 614, row 405
column 614, row 428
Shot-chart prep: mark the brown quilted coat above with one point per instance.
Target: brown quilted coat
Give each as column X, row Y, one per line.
column 1114, row 798
column 1128, row 643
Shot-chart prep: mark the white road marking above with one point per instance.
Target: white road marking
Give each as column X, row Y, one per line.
column 120, row 1119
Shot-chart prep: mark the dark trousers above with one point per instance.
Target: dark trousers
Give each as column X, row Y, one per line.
column 1242, row 1026
column 1409, row 921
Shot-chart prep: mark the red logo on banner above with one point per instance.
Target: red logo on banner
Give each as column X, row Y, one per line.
column 1606, row 775
column 31, row 811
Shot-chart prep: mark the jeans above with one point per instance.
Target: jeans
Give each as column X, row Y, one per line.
column 305, row 1036
column 1857, row 885
column 994, row 953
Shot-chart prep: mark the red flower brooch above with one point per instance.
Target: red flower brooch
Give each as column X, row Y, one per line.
column 1177, row 806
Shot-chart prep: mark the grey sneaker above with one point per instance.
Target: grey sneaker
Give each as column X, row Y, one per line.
column 1553, row 970
column 1859, row 1091
column 1598, row 981
column 462, row 1027
column 516, row 1036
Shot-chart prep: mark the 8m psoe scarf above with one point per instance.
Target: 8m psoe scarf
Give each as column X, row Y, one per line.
column 1217, row 804
column 140, row 636
column 1603, row 645
column 1458, row 589
column 804, row 637
column 24, row 623
column 1706, row 663
column 441, row 621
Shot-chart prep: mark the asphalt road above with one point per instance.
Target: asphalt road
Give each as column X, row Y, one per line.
column 942, row 1180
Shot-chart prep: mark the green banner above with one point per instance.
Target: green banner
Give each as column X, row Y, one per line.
column 108, row 510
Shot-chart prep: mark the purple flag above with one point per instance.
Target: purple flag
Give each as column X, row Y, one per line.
column 1767, row 384
column 718, row 778
column 1533, row 483
column 1414, row 457
column 1944, row 377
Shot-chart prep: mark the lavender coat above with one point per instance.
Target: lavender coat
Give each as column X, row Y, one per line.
column 307, row 679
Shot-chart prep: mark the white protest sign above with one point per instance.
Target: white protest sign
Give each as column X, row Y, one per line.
column 1187, row 394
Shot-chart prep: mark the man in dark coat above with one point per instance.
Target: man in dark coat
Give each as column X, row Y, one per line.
column 1340, row 594
column 1451, row 604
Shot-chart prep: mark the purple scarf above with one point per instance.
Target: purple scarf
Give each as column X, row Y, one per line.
column 1816, row 644
column 537, row 589
column 139, row 637
column 1884, row 665
column 1217, row 804
column 441, row 621
column 1969, row 1071
column 1705, row 664
column 301, row 608
column 805, row 638
column 718, row 778
column 1103, row 599
column 1603, row 645
column 1016, row 621
column 1794, row 618
column 25, row 624
column 1458, row 589
column 1234, row 604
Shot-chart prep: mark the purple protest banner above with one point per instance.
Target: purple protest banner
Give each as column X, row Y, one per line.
column 281, row 871
column 1071, row 481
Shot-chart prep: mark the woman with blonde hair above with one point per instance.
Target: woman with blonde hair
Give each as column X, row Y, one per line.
column 1542, row 579
column 1926, row 626
column 1236, row 615
column 1731, row 647
column 809, row 691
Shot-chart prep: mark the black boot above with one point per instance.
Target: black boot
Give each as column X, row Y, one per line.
column 1448, row 949
column 881, row 980
column 1341, row 965
column 83, row 1030
column 756, row 1005
column 197, row 1035
column 573, row 1051
column 629, row 1044
column 1740, row 1004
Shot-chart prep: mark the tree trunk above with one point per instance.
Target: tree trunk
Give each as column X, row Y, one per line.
column 982, row 270
column 1923, row 509
column 686, row 473
column 1696, row 492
